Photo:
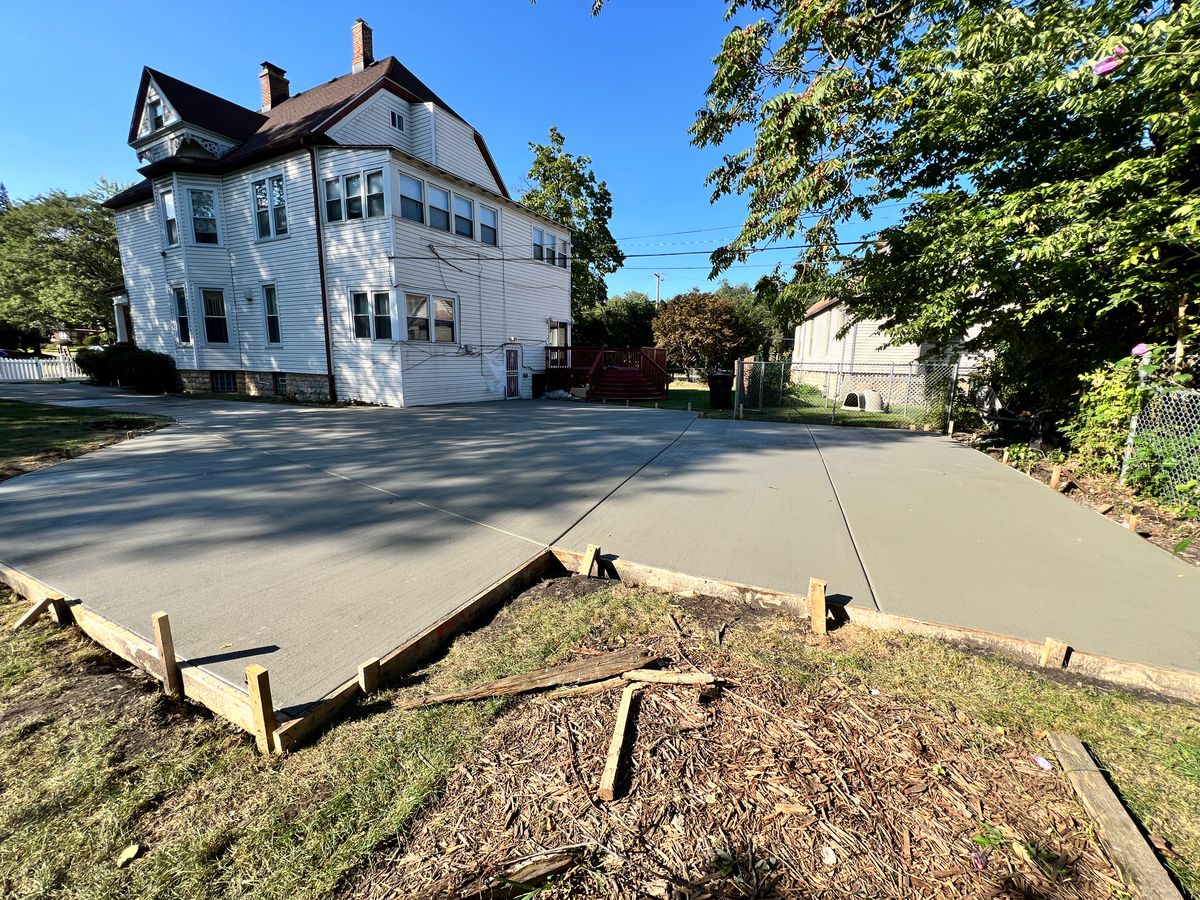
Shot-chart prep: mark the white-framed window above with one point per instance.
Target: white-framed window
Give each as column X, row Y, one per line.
column 270, row 298
column 551, row 251
column 166, row 200
column 204, row 216
column 397, row 121
column 489, row 225
column 270, row 207
column 182, row 319
column 563, row 250
column 154, row 115
column 376, row 197
column 216, row 323
column 352, row 191
column 539, row 244
column 412, row 199
column 431, row 317
column 464, row 217
column 439, row 208
column 372, row 315
column 334, row 212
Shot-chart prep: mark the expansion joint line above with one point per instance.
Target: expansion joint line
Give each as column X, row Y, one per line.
column 845, row 520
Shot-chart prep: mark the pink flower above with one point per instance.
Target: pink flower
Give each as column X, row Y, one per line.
column 1109, row 63
column 1140, row 350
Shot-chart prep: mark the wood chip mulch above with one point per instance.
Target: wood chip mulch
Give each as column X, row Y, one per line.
column 767, row 790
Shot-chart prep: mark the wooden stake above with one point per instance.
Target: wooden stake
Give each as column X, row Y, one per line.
column 608, row 780
column 172, row 679
column 34, row 613
column 1055, row 478
column 1004, row 457
column 1054, row 654
column 1131, row 522
column 590, row 558
column 368, row 675
column 261, row 709
column 59, row 611
column 1134, row 859
column 818, row 610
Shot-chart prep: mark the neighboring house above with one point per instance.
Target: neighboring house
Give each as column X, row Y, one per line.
column 351, row 242
column 817, row 343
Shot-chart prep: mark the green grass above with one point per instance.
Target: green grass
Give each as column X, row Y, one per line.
column 808, row 408
column 34, row 429
column 87, row 769
column 1150, row 749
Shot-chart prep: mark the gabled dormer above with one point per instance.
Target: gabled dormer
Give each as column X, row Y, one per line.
column 173, row 118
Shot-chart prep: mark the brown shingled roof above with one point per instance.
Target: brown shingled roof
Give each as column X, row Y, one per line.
column 285, row 126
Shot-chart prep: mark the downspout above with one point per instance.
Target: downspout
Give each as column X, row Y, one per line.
column 312, row 156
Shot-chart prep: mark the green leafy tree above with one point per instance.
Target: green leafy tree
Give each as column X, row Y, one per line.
column 5, row 203
column 58, row 262
column 623, row 320
column 564, row 187
column 1052, row 151
column 703, row 330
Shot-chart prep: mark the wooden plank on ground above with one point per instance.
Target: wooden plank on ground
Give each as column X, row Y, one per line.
column 368, row 675
column 584, row 690
column 657, row 676
column 590, row 556
column 26, row 585
column 31, row 615
column 165, row 644
column 818, row 611
column 259, row 684
column 578, row 671
column 1054, row 654
column 1130, row 853
column 608, row 779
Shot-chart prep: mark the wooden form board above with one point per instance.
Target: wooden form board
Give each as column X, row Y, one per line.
column 1169, row 682
column 1130, row 853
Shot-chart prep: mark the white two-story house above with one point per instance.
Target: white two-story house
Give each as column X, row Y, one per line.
column 354, row 241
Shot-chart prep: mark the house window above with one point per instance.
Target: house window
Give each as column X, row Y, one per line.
column 563, row 261
column 443, row 319
column 155, row 115
column 397, row 121
column 223, row 382
column 352, row 188
column 204, row 216
column 539, row 244
column 383, row 315
column 167, row 198
column 271, row 309
column 464, row 217
column 360, row 306
column 333, row 200
column 270, row 210
column 418, row 316
column 439, row 208
column 412, row 199
column 488, row 225
column 550, row 252
column 375, row 204
column 216, row 325
column 181, row 315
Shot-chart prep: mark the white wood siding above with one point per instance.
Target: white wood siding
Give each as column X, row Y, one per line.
column 371, row 123
column 457, row 152
column 816, row 342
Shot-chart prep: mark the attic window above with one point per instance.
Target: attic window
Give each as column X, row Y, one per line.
column 397, row 121
column 155, row 115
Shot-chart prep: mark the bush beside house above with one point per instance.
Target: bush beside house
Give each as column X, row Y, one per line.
column 144, row 371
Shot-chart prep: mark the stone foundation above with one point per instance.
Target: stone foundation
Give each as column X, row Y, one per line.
column 302, row 386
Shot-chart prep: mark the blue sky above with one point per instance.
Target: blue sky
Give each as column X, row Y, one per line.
column 622, row 87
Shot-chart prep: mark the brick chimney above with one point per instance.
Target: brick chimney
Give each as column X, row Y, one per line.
column 364, row 53
column 275, row 88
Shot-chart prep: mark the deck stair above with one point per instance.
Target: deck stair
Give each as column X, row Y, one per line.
column 630, row 373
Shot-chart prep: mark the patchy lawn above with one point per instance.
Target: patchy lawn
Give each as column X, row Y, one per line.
column 33, row 435
column 93, row 759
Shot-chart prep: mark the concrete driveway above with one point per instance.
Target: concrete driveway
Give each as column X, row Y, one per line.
column 310, row 539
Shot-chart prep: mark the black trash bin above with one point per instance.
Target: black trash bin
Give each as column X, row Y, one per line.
column 720, row 390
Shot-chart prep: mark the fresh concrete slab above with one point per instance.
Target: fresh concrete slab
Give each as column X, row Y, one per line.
column 949, row 535
column 740, row 501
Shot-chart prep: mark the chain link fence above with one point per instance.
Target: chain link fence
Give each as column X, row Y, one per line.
column 1163, row 454
column 916, row 395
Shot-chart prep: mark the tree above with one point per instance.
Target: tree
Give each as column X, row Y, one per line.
column 623, row 320
column 564, row 187
column 58, row 263
column 700, row 330
column 5, row 203
column 1052, row 150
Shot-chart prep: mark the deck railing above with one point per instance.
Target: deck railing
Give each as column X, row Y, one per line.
column 577, row 366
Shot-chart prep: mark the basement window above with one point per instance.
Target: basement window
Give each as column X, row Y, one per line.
column 223, row 382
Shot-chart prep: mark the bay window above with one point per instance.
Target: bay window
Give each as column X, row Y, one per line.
column 204, row 216
column 375, row 198
column 181, row 315
column 170, row 226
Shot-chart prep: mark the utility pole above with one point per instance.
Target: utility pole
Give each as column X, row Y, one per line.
column 658, row 280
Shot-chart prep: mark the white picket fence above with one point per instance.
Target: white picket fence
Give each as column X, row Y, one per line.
column 56, row 368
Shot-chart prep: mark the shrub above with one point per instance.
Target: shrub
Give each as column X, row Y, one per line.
column 144, row 371
column 1099, row 429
